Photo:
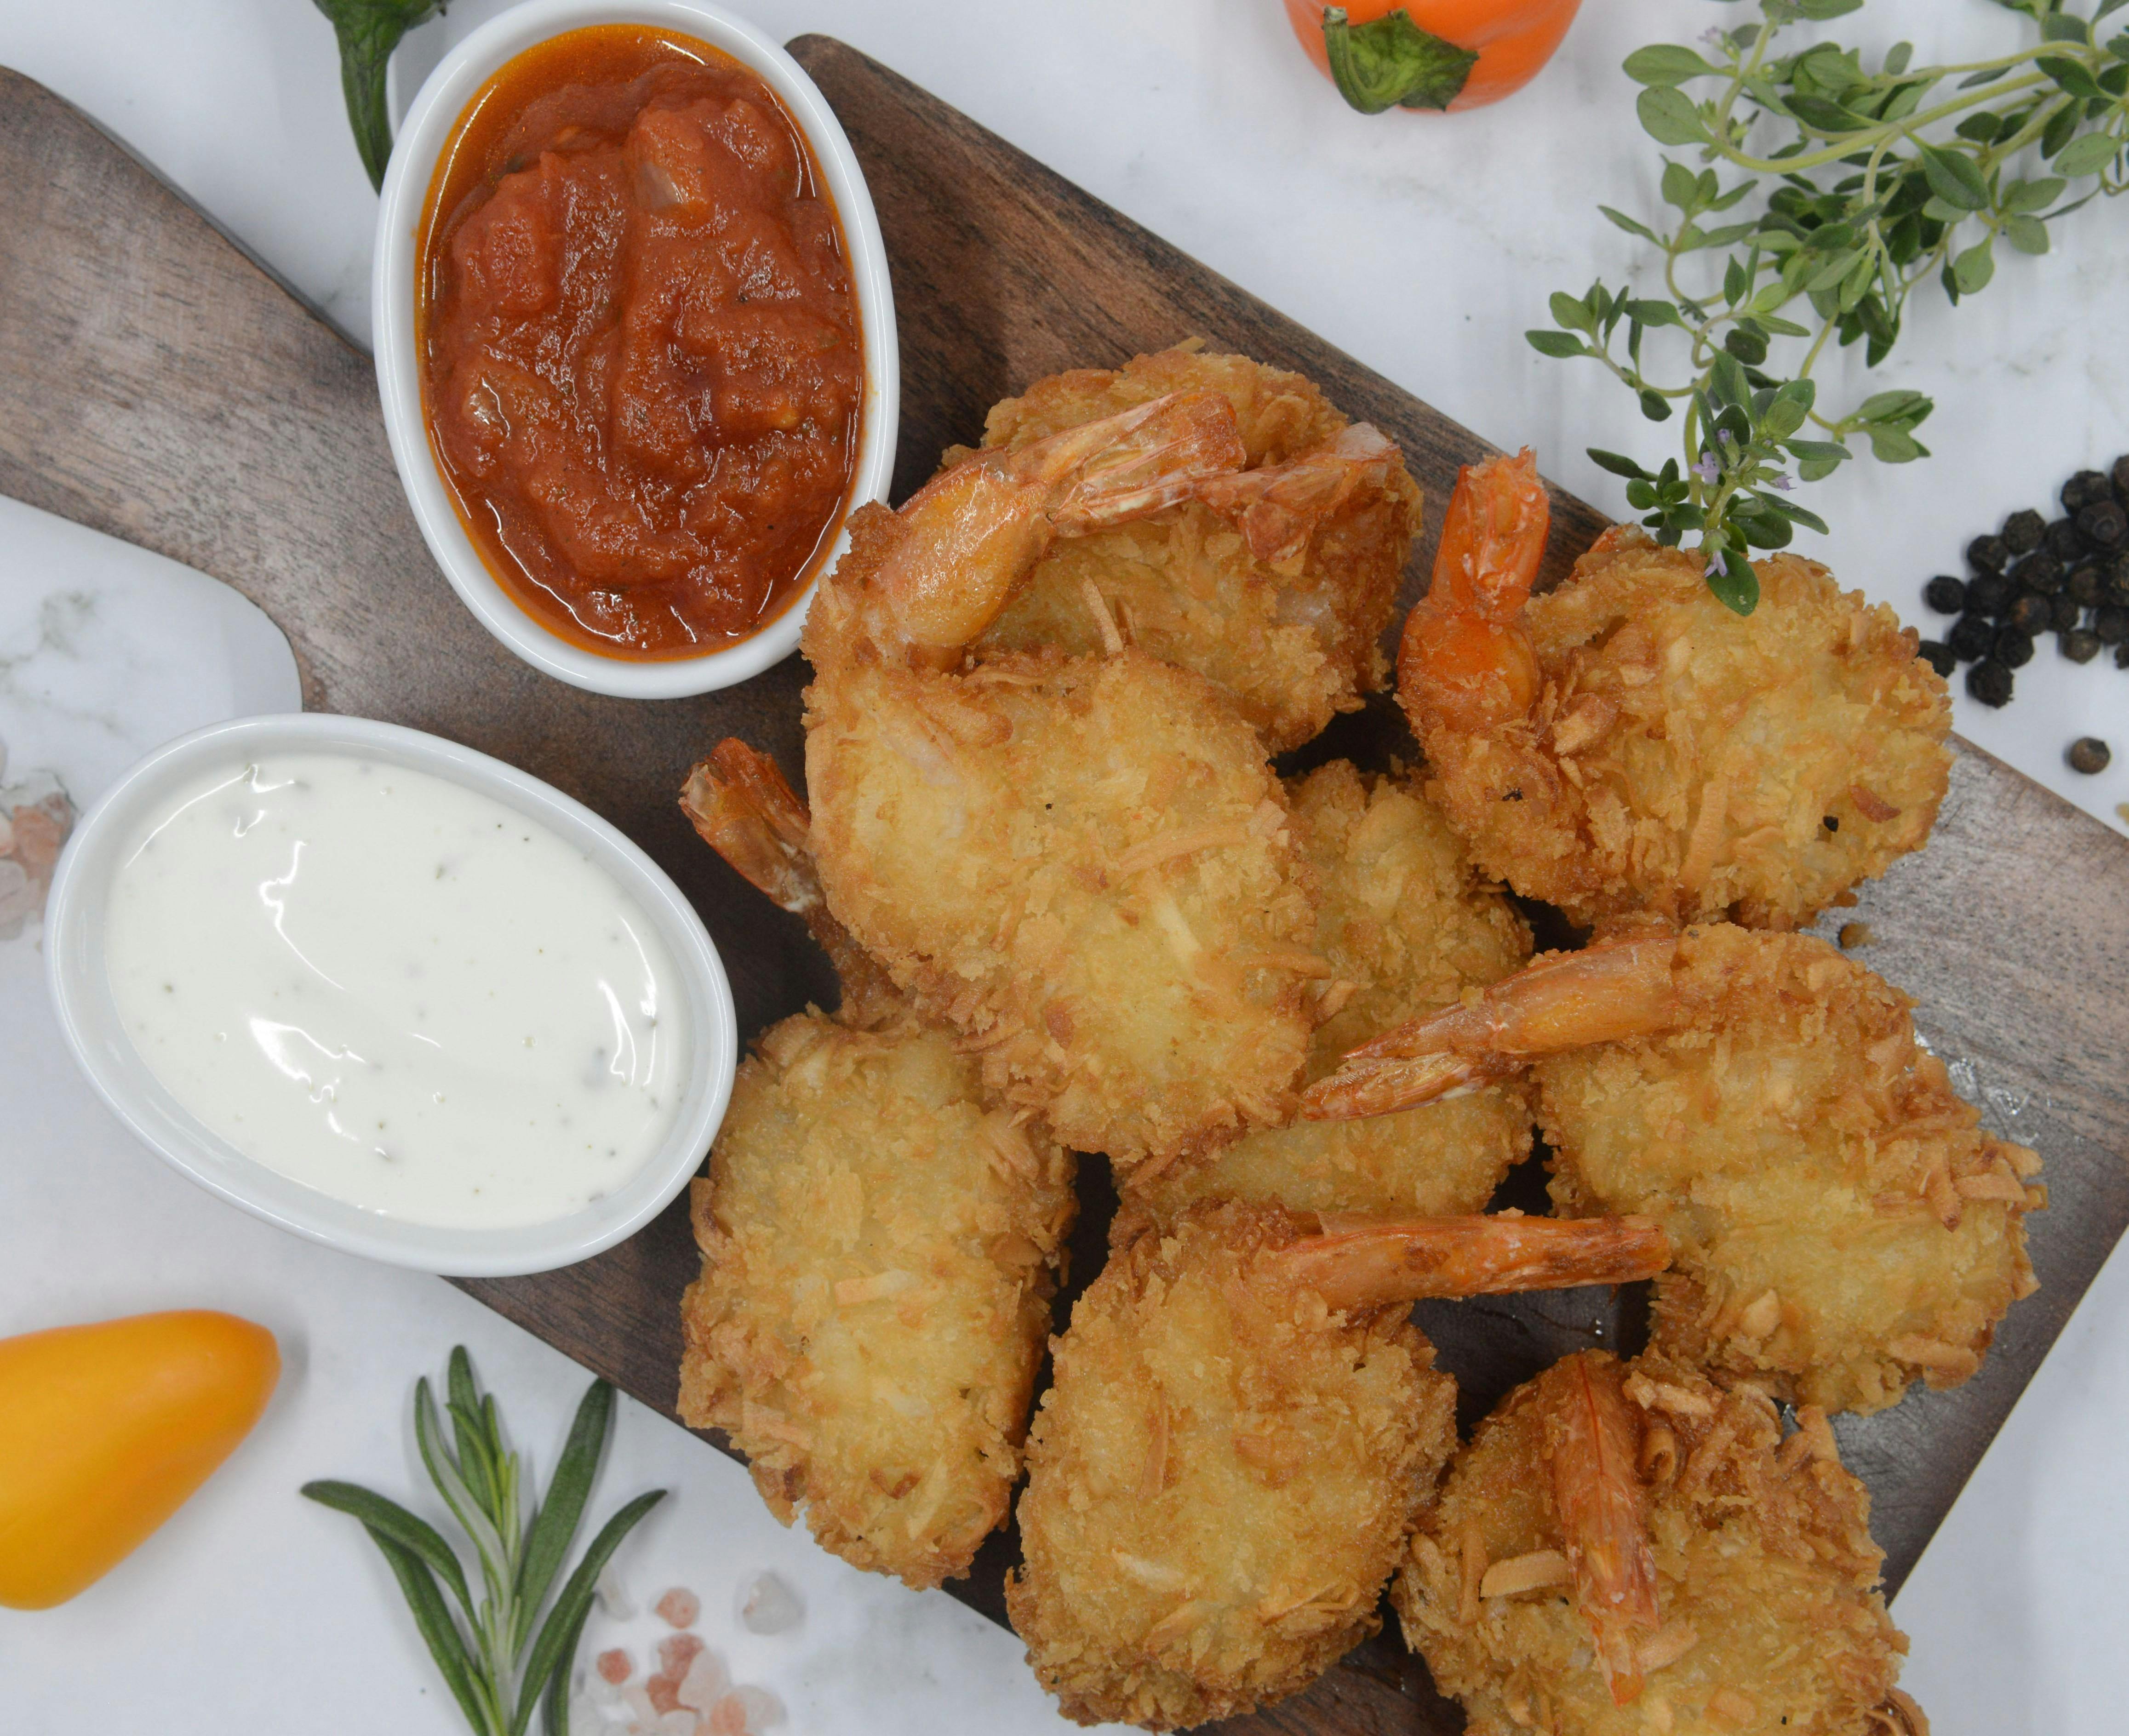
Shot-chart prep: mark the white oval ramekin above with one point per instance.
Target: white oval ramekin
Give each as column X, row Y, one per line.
column 431, row 124
column 80, row 984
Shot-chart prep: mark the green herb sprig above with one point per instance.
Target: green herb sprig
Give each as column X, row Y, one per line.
column 1881, row 179
column 368, row 30
column 497, row 1667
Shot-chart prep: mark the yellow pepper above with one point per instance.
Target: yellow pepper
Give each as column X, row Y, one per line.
column 106, row 1429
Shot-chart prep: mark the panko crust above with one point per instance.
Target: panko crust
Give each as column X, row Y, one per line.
column 1406, row 925
column 1295, row 643
column 1843, row 1225
column 1085, row 866
column 1773, row 1623
column 878, row 1256
column 1219, row 1480
column 1685, row 761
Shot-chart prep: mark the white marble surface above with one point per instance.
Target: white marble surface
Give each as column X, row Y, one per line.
column 1424, row 249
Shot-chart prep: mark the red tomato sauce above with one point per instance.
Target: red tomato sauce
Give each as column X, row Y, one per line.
column 642, row 367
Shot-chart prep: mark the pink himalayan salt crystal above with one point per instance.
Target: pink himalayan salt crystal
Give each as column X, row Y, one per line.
column 664, row 1692
column 679, row 1607
column 706, row 1683
column 615, row 1666
column 675, row 1652
column 728, row 1718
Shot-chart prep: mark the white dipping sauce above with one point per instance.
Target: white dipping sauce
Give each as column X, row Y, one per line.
column 397, row 991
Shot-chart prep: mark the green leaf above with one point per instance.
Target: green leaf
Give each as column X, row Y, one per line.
column 368, row 32
column 566, row 1619
column 1654, row 313
column 465, row 1507
column 1640, row 496
column 1616, row 463
column 1680, row 186
column 2105, row 7
column 1893, row 445
column 1392, row 62
column 1749, row 347
column 1736, row 585
column 438, row 1631
column 2061, row 128
column 1897, row 58
column 2028, row 234
column 2034, row 195
column 1794, row 514
column 386, row 1518
column 1574, row 314
column 2070, row 75
column 554, row 1706
column 1655, row 406
column 1665, row 63
column 1953, row 177
column 1824, row 452
column 2063, row 27
column 1621, row 220
column 1562, row 344
column 1828, row 117
column 1981, row 126
column 2088, row 155
column 1973, row 268
column 1668, row 116
column 554, row 1528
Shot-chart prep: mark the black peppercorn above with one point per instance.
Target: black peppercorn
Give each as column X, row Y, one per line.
column 1946, row 594
column 2063, row 540
column 2082, row 489
column 2114, row 581
column 2042, row 572
column 2084, row 584
column 1940, row 658
column 2120, row 475
column 2088, row 754
column 1970, row 638
column 2103, row 524
column 2065, row 612
column 1990, row 593
column 2030, row 615
column 1988, row 555
column 2080, row 645
column 2110, row 624
column 1990, row 682
column 2014, row 647
column 2023, row 531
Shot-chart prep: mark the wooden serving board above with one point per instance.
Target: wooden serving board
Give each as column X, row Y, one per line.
column 157, row 384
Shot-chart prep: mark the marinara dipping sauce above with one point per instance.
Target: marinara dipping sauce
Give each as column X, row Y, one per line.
column 641, row 364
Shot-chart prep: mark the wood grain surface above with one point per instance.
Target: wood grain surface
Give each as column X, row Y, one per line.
column 155, row 383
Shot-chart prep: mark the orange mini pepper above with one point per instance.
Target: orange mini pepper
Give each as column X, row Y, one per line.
column 1430, row 54
column 106, row 1429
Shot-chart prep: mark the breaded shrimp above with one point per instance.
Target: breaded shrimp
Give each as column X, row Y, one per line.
column 1625, row 1548
column 1406, row 926
column 1627, row 745
column 1243, row 1423
column 1083, row 864
column 1844, row 1225
column 880, row 1247
column 1276, row 583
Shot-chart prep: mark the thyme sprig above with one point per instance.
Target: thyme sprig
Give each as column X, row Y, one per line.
column 496, row 1666
column 1874, row 181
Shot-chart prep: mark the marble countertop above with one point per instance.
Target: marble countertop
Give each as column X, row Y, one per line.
column 1422, row 247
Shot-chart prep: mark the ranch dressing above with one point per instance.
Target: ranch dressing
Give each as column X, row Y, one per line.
column 396, row 989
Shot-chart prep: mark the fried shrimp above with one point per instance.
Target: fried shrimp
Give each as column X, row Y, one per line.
column 1625, row 1548
column 1406, row 926
column 1243, row 1424
column 879, row 1248
column 1844, row 1225
column 1084, row 864
column 1277, row 584
column 1626, row 744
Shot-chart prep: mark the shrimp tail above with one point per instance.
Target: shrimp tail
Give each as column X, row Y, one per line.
column 1358, row 1263
column 744, row 809
column 1464, row 659
column 1591, row 1442
column 970, row 537
column 1278, row 507
column 1606, row 992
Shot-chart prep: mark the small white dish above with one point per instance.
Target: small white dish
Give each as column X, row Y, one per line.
column 89, row 1013
column 430, row 122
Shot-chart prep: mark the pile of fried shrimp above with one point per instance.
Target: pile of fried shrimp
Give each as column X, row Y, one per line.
column 1078, row 916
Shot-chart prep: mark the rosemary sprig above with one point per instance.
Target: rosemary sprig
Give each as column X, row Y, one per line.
column 1877, row 181
column 484, row 1656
